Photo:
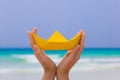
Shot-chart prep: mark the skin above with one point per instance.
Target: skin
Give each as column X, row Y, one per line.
column 62, row 70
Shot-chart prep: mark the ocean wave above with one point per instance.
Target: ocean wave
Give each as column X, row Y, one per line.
column 27, row 57
column 84, row 64
column 101, row 60
column 32, row 59
column 76, row 68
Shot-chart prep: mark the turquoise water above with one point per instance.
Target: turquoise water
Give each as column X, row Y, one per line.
column 88, row 52
column 91, row 59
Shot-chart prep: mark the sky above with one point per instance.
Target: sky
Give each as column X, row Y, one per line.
column 100, row 19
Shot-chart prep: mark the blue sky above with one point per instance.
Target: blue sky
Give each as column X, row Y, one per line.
column 99, row 18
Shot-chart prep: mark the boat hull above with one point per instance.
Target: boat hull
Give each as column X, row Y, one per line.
column 49, row 45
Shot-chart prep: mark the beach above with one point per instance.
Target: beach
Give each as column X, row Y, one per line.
column 111, row 74
column 94, row 64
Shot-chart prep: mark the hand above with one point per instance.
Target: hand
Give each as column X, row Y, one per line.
column 65, row 65
column 70, row 59
column 48, row 65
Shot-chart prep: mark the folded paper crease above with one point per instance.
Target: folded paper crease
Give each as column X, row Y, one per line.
column 57, row 41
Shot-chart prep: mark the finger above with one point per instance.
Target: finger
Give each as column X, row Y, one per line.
column 35, row 30
column 71, row 54
column 82, row 41
column 31, row 39
column 68, row 53
column 78, row 49
column 75, row 50
column 37, row 49
column 42, row 57
column 81, row 31
column 38, row 54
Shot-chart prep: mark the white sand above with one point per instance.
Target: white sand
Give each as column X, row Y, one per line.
column 111, row 74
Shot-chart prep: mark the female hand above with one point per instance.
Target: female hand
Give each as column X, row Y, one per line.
column 70, row 59
column 50, row 69
column 48, row 65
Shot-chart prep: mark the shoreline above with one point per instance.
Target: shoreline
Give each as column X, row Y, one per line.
column 110, row 74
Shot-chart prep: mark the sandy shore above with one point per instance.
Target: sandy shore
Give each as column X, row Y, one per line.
column 111, row 74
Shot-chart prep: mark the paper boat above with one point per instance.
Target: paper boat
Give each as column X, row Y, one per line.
column 57, row 42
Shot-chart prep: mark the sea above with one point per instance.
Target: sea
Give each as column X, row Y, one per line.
column 92, row 59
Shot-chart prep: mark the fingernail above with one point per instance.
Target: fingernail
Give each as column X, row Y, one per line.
column 81, row 30
column 83, row 33
column 34, row 28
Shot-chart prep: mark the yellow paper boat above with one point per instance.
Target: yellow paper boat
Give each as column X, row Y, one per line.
column 57, row 42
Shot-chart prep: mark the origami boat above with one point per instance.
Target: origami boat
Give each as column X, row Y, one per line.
column 57, row 42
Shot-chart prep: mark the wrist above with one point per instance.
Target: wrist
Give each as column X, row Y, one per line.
column 62, row 75
column 49, row 75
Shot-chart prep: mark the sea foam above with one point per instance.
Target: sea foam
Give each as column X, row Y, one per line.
column 83, row 63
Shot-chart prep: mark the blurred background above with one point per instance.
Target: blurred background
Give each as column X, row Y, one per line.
column 100, row 20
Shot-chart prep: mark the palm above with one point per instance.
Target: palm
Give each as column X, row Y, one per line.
column 64, row 66
column 45, row 61
column 70, row 59
column 72, row 56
